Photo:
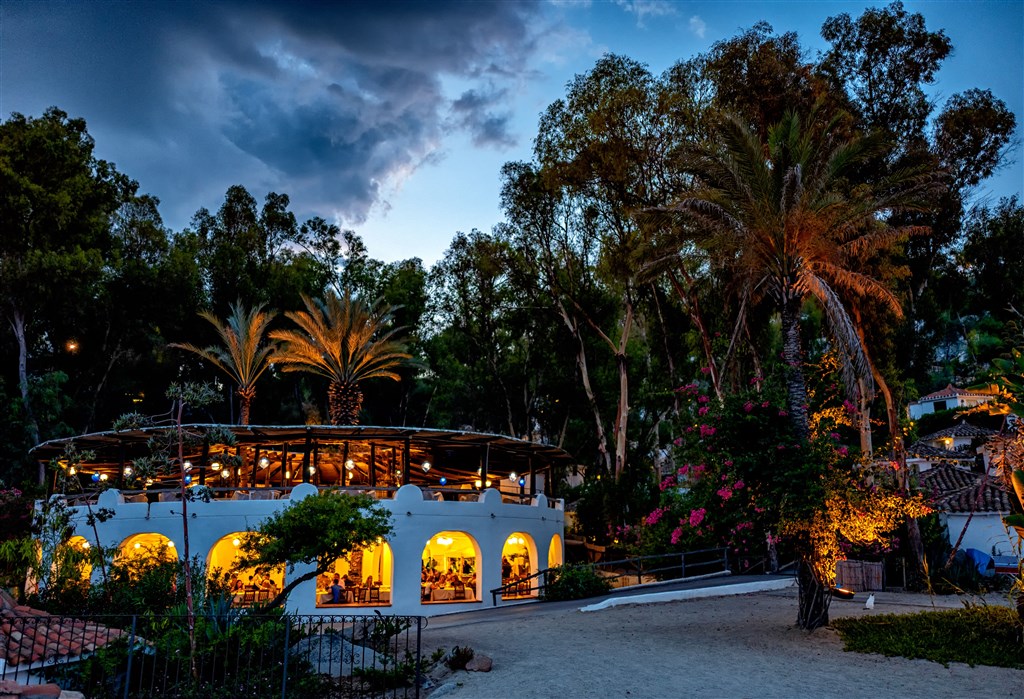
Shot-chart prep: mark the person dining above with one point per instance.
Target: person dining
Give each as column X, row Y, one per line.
column 337, row 590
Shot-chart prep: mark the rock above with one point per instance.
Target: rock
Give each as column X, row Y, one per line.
column 332, row 654
column 479, row 663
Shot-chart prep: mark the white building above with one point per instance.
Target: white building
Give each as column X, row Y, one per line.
column 948, row 398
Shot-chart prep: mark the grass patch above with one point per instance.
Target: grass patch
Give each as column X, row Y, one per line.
column 976, row 636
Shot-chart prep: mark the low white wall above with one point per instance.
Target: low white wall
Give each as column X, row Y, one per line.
column 489, row 522
column 985, row 533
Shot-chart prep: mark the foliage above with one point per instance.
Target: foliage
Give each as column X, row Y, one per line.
column 458, row 657
column 978, row 635
column 573, row 582
column 316, row 530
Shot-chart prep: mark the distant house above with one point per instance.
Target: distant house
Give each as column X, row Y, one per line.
column 962, row 445
column 948, row 398
column 976, row 501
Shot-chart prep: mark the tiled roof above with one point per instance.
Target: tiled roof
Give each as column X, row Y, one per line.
column 29, row 635
column 951, row 391
column 960, row 429
column 955, row 490
column 927, row 451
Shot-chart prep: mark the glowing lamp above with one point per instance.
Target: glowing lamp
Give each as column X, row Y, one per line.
column 188, row 479
column 72, row 471
column 127, row 471
column 95, row 478
column 138, row 545
column 522, row 482
column 225, row 473
column 235, row 542
column 488, row 483
column 170, row 544
column 215, row 465
column 512, row 476
column 312, row 470
column 443, row 481
column 477, row 483
column 104, row 476
column 85, row 544
column 350, row 465
column 187, row 466
column 264, row 463
column 425, row 466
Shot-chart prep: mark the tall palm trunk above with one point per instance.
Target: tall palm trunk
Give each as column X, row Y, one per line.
column 344, row 401
column 792, row 355
column 245, row 398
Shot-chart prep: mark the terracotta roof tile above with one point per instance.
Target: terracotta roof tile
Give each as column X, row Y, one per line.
column 960, row 429
column 927, row 451
column 955, row 490
column 29, row 635
column 951, row 391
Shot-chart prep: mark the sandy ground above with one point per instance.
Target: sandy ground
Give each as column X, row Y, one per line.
column 740, row 646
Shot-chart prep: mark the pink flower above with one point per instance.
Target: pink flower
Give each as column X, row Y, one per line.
column 703, row 399
column 783, row 413
column 683, row 469
column 677, row 534
column 765, row 404
column 738, row 485
column 668, row 482
column 727, row 462
column 843, row 451
column 725, row 493
column 748, row 406
column 834, row 435
column 707, row 431
column 655, row 516
column 697, row 516
column 699, row 469
column 678, row 441
column 705, row 370
column 703, row 410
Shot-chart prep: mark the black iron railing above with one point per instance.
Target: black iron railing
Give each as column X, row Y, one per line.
column 629, row 571
column 237, row 655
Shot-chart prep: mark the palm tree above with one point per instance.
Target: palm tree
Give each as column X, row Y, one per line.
column 790, row 219
column 344, row 341
column 243, row 355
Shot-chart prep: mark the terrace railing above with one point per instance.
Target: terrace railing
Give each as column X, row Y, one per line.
column 239, row 654
column 629, row 572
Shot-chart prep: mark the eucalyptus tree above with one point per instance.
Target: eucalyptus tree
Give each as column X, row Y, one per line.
column 244, row 355
column 345, row 341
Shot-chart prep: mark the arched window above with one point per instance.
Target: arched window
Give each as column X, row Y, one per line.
column 518, row 564
column 555, row 551
column 247, row 586
column 449, row 570
column 363, row 579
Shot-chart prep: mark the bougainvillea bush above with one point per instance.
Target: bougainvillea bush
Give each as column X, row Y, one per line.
column 743, row 480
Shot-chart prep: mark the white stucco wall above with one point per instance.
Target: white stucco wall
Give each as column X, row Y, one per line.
column 489, row 522
column 985, row 533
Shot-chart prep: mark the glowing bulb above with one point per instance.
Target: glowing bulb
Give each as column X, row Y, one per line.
column 85, row 544
column 264, row 462
column 188, row 479
column 519, row 540
column 215, row 465
column 488, row 484
column 312, row 470
column 235, row 542
column 149, row 481
column 287, row 475
column 170, row 544
column 187, row 466
column 127, row 471
column 72, row 471
column 138, row 545
column 522, row 482
column 512, row 476
column 425, row 466
column 95, row 478
column 350, row 465
column 477, row 483
column 443, row 481
column 479, row 471
column 225, row 473
column 104, row 476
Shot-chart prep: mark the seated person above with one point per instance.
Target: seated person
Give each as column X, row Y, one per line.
column 338, row 590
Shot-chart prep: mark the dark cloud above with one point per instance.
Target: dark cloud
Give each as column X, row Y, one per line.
column 324, row 101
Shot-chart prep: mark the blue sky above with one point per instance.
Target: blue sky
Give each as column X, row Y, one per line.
column 391, row 118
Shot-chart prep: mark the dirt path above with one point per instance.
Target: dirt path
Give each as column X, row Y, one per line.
column 741, row 646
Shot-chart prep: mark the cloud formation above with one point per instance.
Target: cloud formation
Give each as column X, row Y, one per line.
column 327, row 102
column 647, row 8
column 698, row 26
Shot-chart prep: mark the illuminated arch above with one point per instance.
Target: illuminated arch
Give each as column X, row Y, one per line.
column 80, row 550
column 148, row 546
column 555, row 551
column 518, row 563
column 248, row 586
column 374, row 565
column 450, row 568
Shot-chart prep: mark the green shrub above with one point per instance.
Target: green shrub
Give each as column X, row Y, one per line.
column 458, row 658
column 976, row 636
column 574, row 582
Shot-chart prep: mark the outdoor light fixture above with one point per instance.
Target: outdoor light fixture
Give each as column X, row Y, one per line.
column 488, row 484
column 170, row 544
column 72, row 471
column 425, row 466
column 85, row 544
column 95, row 478
column 138, row 545
column 512, row 476
column 522, row 482
column 187, row 466
column 188, row 479
column 235, row 542
column 479, row 471
column 444, row 541
column 443, row 481
column 104, row 476
column 312, row 470
column 287, row 475
column 264, row 463
column 215, row 465
column 350, row 465
column 149, row 481
column 225, row 473
column 127, row 471
column 477, row 483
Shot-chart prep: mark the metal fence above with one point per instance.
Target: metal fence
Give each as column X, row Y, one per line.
column 238, row 654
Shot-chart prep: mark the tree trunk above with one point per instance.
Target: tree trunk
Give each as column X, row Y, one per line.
column 344, row 401
column 693, row 304
column 581, row 364
column 792, row 355
column 245, row 398
column 813, row 598
column 622, row 418
column 18, row 325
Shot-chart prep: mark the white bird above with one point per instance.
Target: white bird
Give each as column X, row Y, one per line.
column 870, row 602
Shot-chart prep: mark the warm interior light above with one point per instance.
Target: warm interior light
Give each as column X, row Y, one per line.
column 444, row 540
column 138, row 545
column 479, row 471
column 225, row 473
column 312, row 470
column 149, row 481
column 170, row 544
column 488, row 484
column 264, row 463
column 287, row 475
column 72, row 471
column 235, row 542
column 104, row 476
column 215, row 465
column 127, row 471
column 426, row 466
column 477, row 483
column 350, row 465
column 85, row 544
column 512, row 476
column 187, row 466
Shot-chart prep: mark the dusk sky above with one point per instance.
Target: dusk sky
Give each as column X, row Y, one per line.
column 391, row 118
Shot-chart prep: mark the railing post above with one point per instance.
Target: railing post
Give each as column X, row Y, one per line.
column 284, row 671
column 419, row 628
column 682, row 562
column 131, row 644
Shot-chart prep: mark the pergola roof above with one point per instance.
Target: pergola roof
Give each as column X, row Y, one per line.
column 109, row 445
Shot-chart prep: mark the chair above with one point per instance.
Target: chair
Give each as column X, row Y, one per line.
column 374, row 594
column 248, row 598
column 460, row 591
